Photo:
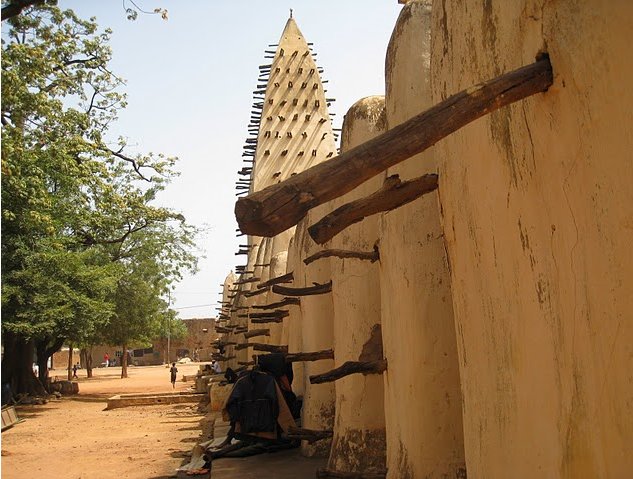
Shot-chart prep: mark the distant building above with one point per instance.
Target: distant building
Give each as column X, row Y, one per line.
column 197, row 342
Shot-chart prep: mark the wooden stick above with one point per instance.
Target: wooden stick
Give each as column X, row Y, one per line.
column 310, row 290
column 278, row 207
column 267, row 320
column 256, row 332
column 393, row 194
column 278, row 313
column 249, row 294
column 313, row 356
column 246, row 281
column 270, row 348
column 223, row 358
column 279, row 304
column 325, row 473
column 350, row 367
column 246, row 363
column 340, row 253
column 310, row 435
column 285, row 278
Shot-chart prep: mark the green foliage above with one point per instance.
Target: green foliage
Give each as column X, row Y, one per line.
column 85, row 253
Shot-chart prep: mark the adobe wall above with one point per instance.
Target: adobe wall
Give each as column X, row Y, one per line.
column 538, row 216
column 423, row 409
column 359, row 427
column 317, row 323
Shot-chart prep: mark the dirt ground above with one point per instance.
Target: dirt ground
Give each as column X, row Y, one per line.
column 75, row 437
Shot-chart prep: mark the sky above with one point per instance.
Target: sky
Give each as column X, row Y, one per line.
column 190, row 83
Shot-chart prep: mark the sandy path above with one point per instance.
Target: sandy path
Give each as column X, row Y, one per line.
column 76, row 438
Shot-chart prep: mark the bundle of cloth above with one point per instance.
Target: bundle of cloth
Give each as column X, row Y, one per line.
column 261, row 409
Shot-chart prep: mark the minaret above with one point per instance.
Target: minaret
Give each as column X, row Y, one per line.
column 290, row 131
column 294, row 130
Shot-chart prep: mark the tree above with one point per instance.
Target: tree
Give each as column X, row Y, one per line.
column 77, row 214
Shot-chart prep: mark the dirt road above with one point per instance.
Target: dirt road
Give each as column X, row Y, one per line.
column 76, row 438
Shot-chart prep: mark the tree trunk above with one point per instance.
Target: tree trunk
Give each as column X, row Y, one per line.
column 86, row 360
column 124, row 362
column 17, row 366
column 45, row 348
column 70, row 362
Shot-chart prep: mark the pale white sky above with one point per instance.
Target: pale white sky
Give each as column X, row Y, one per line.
column 190, row 81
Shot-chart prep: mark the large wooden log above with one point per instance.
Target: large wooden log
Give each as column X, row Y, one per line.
column 284, row 278
column 310, row 435
column 279, row 304
column 350, row 367
column 278, row 207
column 324, row 473
column 340, row 253
column 311, row 356
column 308, row 291
column 256, row 332
column 393, row 194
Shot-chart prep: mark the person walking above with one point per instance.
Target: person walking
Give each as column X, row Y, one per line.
column 75, row 366
column 174, row 371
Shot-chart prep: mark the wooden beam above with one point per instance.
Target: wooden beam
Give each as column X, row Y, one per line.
column 310, row 290
column 270, row 348
column 279, row 304
column 277, row 313
column 350, row 367
column 246, row 363
column 325, row 473
column 256, row 332
column 276, row 208
column 223, row 358
column 393, row 194
column 340, row 253
column 312, row 356
column 310, row 435
column 271, row 319
column 249, row 294
column 285, row 278
column 246, row 281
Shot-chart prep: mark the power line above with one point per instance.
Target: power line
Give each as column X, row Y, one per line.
column 197, row 306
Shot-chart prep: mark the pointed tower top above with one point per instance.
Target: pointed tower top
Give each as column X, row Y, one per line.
column 291, row 30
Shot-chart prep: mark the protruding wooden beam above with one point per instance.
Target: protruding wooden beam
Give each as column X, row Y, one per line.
column 223, row 358
column 271, row 348
column 255, row 292
column 246, row 363
column 272, row 319
column 277, row 313
column 325, row 473
column 350, row 367
column 256, row 332
column 308, row 291
column 312, row 356
column 340, row 253
column 278, row 207
column 279, row 304
column 285, row 278
column 310, row 435
column 246, row 281
column 393, row 194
